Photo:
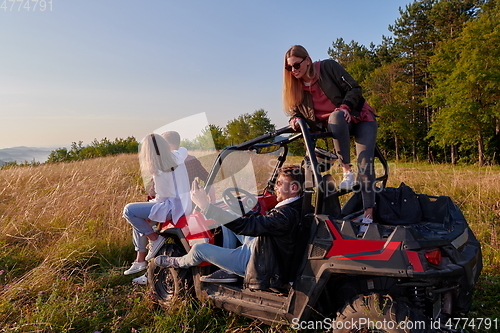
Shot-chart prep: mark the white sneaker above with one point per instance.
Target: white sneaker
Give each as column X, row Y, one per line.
column 142, row 280
column 136, row 267
column 365, row 221
column 348, row 181
column 154, row 247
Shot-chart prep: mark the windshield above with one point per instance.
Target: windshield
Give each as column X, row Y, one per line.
column 243, row 170
column 234, row 178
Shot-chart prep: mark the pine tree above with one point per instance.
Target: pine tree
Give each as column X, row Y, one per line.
column 467, row 71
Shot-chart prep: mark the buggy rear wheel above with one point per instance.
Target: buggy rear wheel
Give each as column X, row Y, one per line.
column 167, row 284
column 377, row 313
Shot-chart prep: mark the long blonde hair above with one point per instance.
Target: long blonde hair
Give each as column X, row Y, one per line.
column 292, row 87
column 155, row 155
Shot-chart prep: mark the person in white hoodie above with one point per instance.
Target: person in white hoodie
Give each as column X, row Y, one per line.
column 172, row 200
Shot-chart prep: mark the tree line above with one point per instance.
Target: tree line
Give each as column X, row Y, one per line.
column 97, row 148
column 237, row 130
column 436, row 83
column 79, row 152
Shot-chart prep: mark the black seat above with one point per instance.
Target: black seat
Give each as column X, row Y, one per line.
column 331, row 202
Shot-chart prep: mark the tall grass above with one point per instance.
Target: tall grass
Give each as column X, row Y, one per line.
column 64, row 246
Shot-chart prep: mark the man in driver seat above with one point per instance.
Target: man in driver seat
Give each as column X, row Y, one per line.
column 266, row 261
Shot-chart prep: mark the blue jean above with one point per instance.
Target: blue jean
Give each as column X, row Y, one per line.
column 230, row 239
column 137, row 215
column 232, row 260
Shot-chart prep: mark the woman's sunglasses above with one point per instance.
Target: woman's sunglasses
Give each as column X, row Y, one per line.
column 296, row 65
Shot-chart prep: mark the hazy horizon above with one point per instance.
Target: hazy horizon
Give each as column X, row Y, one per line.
column 20, row 154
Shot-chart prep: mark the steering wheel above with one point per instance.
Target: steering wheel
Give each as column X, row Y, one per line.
column 239, row 204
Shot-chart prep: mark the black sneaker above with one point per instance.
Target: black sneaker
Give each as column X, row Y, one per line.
column 220, row 276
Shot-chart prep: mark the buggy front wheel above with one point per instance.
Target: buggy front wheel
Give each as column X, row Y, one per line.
column 166, row 284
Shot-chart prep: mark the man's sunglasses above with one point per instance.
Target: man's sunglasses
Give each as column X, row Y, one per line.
column 296, row 65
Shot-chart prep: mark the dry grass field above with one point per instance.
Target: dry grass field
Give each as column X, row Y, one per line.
column 64, row 246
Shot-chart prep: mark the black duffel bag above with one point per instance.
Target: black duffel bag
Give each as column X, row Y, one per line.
column 397, row 205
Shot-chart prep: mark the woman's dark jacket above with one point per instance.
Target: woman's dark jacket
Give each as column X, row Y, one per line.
column 338, row 86
column 271, row 262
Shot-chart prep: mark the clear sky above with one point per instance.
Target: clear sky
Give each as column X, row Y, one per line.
column 88, row 69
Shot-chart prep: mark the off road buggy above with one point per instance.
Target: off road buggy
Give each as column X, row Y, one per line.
column 412, row 276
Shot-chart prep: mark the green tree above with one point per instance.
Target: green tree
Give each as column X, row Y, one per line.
column 59, row 155
column 260, row 124
column 247, row 126
column 190, row 144
column 449, row 16
column 97, row 148
column 212, row 137
column 75, row 150
column 297, row 148
column 358, row 60
column 238, row 129
column 391, row 98
column 218, row 137
column 415, row 40
column 467, row 71
column 385, row 53
column 419, row 32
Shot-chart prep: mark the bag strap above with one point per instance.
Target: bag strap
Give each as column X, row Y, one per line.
column 175, row 185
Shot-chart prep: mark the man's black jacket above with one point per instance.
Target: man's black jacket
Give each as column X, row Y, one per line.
column 271, row 262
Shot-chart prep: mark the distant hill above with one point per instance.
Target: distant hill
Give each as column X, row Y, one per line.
column 21, row 154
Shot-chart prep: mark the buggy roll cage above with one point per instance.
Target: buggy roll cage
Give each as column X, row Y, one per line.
column 259, row 143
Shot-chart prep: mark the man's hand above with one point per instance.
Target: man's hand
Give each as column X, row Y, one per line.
column 198, row 195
